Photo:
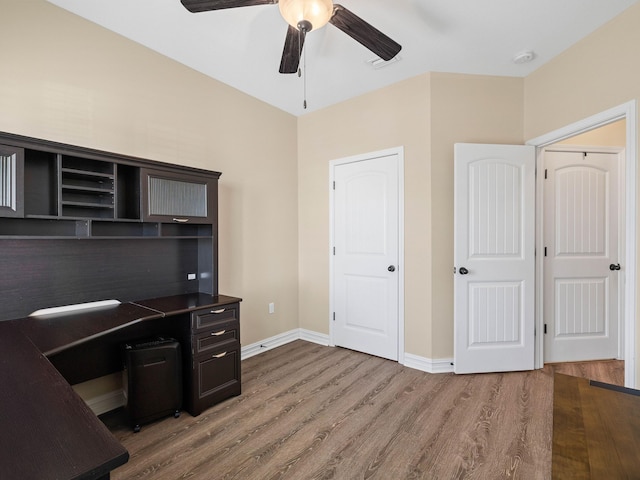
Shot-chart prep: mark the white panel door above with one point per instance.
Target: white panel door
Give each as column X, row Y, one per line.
column 365, row 263
column 494, row 248
column 581, row 249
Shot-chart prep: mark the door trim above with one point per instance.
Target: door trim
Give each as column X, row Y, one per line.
column 399, row 151
column 628, row 112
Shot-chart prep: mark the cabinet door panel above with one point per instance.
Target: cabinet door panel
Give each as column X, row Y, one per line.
column 216, row 372
column 179, row 198
column 215, row 377
column 11, row 181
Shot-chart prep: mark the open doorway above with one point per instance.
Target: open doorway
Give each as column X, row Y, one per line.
column 622, row 118
column 583, row 254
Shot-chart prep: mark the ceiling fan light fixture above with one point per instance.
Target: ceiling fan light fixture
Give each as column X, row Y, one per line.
column 314, row 12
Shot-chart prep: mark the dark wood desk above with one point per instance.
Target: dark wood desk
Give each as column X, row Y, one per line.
column 84, row 344
column 596, row 430
column 47, row 431
column 53, row 334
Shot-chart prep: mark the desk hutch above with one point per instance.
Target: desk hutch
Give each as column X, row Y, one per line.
column 80, row 225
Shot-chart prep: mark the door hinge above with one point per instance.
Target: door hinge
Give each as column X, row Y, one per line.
column 545, row 251
column 334, row 185
column 334, row 316
column 334, row 250
column 545, row 328
column 545, row 173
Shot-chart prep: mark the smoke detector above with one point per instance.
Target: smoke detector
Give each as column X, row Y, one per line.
column 524, row 57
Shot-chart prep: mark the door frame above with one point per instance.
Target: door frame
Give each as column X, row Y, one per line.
column 628, row 112
column 399, row 151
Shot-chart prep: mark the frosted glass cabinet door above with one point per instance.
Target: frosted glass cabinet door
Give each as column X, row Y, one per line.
column 170, row 197
column 11, row 181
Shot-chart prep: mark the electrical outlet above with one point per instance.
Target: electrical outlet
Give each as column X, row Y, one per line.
column 272, row 307
column 191, row 276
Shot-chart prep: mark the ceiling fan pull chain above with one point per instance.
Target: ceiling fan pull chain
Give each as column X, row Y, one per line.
column 302, row 33
column 304, row 79
column 300, row 37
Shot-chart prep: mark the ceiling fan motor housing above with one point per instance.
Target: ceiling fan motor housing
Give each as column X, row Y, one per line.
column 306, row 14
column 305, row 26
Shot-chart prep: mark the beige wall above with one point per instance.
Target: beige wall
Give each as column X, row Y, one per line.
column 427, row 115
column 466, row 109
column 612, row 135
column 394, row 116
column 68, row 80
column 600, row 72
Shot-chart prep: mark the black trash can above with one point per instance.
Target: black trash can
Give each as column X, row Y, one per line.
column 152, row 380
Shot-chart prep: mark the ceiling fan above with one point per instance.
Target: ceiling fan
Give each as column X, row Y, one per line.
column 304, row 16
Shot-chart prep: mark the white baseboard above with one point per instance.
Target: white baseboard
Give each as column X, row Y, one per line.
column 262, row 346
column 314, row 337
column 115, row 399
column 438, row 365
column 249, row 351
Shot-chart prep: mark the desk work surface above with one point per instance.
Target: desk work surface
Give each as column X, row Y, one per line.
column 48, row 432
column 176, row 304
column 57, row 332
column 596, row 430
column 52, row 333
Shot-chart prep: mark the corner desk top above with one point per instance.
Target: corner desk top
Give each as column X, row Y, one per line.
column 48, row 432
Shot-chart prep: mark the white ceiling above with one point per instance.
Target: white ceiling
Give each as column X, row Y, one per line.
column 242, row 46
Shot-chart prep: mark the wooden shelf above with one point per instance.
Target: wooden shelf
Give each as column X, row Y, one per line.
column 87, row 173
column 45, row 227
column 30, row 228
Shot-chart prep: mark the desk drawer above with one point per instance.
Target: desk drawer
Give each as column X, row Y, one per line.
column 212, row 317
column 215, row 357
column 216, row 377
column 224, row 333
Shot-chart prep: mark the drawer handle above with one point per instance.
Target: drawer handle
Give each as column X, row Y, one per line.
column 217, row 334
column 181, row 220
column 220, row 355
column 218, row 311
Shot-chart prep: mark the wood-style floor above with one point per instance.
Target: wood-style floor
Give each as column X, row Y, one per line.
column 313, row 412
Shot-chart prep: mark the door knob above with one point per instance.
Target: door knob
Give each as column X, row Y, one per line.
column 614, row 266
column 463, row 271
column 391, row 268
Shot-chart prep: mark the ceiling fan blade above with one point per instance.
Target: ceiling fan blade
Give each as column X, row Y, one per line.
column 364, row 33
column 293, row 44
column 195, row 6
